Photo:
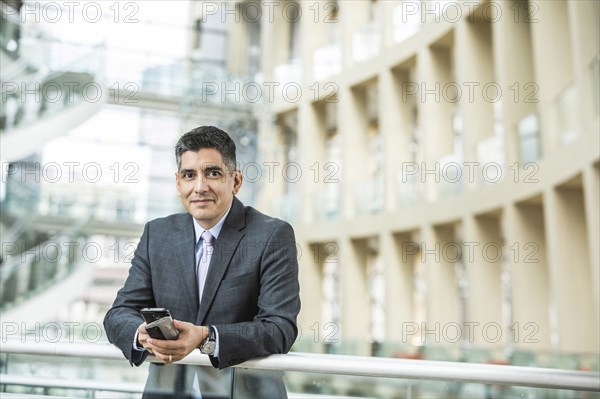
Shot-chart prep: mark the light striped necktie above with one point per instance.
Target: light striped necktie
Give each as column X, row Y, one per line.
column 204, row 250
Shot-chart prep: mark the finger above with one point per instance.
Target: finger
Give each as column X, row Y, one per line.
column 178, row 352
column 163, row 345
column 182, row 326
column 168, row 348
column 142, row 328
column 178, row 324
column 167, row 358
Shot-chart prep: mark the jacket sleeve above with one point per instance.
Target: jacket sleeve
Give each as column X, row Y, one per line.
column 123, row 318
column 274, row 328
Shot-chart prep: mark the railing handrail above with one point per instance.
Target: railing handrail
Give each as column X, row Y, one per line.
column 348, row 365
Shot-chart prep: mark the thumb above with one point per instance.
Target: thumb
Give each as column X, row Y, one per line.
column 180, row 325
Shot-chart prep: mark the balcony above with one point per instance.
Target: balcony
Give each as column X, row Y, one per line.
column 84, row 369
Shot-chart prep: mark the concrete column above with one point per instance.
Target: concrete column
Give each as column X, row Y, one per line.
column 311, row 145
column 355, row 296
column 475, row 70
column 570, row 271
column 238, row 41
column 396, row 141
column 311, row 283
column 434, row 71
column 513, row 63
column 591, row 190
column 399, row 253
column 551, row 31
column 351, row 122
column 354, row 15
column 584, row 19
column 525, row 250
column 443, row 301
column 482, row 257
column 386, row 11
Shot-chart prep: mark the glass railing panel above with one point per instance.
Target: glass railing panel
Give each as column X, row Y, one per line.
column 286, row 207
column 38, row 88
column 215, row 86
column 72, row 372
column 530, row 145
column 595, row 72
column 10, row 31
column 410, row 189
column 301, row 375
column 448, row 171
column 327, row 204
column 491, row 158
column 290, row 72
column 327, row 61
column 368, row 197
column 29, row 271
column 313, row 385
column 28, row 102
column 566, row 104
column 81, row 377
column 138, row 71
column 366, row 42
column 118, row 203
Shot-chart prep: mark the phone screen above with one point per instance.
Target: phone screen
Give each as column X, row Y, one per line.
column 153, row 314
column 159, row 323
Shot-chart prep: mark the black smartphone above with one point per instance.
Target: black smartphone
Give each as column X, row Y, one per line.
column 159, row 323
column 153, row 314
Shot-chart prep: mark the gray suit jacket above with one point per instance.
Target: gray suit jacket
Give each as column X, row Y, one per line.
column 251, row 294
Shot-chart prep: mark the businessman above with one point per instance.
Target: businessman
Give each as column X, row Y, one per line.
column 227, row 273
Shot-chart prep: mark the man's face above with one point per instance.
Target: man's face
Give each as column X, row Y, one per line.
column 206, row 186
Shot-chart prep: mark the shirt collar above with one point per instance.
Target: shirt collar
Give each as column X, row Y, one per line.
column 215, row 230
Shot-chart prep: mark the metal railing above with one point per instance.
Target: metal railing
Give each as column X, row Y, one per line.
column 345, row 365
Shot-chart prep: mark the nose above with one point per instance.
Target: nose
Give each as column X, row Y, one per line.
column 201, row 184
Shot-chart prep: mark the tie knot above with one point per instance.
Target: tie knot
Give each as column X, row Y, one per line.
column 208, row 238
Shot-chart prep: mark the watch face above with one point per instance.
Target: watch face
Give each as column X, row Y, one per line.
column 208, row 347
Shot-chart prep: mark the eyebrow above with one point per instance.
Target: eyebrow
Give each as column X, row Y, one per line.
column 184, row 171
column 207, row 169
column 213, row 167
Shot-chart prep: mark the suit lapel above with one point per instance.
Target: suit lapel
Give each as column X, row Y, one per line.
column 225, row 247
column 186, row 263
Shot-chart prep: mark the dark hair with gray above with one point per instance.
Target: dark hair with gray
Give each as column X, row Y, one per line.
column 207, row 137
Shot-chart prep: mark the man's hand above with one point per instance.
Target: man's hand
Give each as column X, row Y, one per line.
column 142, row 337
column 170, row 351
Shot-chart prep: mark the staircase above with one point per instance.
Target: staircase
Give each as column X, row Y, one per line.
column 48, row 86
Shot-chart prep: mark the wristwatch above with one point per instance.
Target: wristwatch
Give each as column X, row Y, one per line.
column 210, row 343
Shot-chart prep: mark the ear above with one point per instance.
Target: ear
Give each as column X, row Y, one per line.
column 238, row 179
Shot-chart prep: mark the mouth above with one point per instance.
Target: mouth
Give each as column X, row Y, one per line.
column 202, row 201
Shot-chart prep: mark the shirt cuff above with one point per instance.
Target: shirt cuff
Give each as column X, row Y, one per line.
column 135, row 338
column 216, row 354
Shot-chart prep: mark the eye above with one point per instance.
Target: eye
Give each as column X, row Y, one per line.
column 188, row 175
column 213, row 174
